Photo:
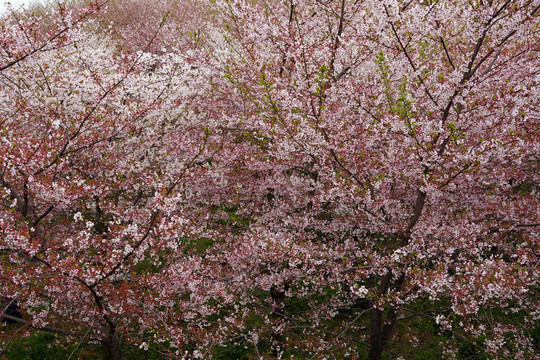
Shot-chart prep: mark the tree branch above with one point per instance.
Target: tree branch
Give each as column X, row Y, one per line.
column 42, row 328
column 52, row 38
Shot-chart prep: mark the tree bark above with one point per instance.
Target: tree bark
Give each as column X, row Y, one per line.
column 278, row 297
column 382, row 329
column 375, row 349
column 111, row 348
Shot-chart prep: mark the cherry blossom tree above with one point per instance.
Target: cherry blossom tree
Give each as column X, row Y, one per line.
column 132, row 24
column 308, row 178
column 388, row 157
column 104, row 177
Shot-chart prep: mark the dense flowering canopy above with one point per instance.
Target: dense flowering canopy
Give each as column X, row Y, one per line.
column 104, row 159
column 309, row 177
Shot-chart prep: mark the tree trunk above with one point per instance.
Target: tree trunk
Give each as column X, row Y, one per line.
column 382, row 330
column 375, row 349
column 276, row 339
column 111, row 348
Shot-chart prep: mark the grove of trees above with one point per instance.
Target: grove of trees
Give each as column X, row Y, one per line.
column 288, row 179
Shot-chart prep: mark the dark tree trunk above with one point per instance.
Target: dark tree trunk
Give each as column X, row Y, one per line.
column 111, row 348
column 382, row 328
column 375, row 349
column 278, row 297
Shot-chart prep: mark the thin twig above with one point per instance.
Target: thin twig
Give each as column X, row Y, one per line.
column 79, row 344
